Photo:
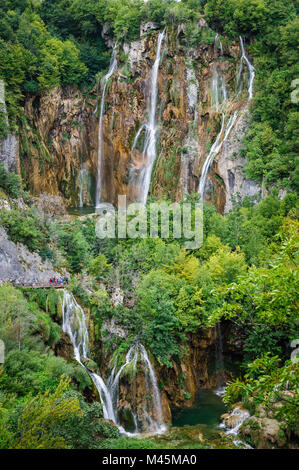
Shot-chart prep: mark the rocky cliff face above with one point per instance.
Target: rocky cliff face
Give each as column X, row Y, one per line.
column 9, row 148
column 229, row 166
column 59, row 144
column 19, row 265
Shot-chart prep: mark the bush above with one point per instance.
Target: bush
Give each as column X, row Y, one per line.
column 10, row 182
column 23, row 227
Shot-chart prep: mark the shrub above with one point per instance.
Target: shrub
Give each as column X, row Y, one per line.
column 10, row 182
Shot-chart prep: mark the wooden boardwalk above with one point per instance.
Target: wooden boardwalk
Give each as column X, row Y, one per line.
column 41, row 286
column 48, row 286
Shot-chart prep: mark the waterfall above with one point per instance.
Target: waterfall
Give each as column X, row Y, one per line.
column 215, row 88
column 137, row 352
column 219, row 91
column 81, row 186
column 84, row 187
column 158, row 426
column 74, row 324
column 192, row 90
column 219, row 97
column 219, row 360
column 190, row 147
column 232, row 424
column 215, row 149
column 112, row 68
column 250, row 68
column 218, row 45
column 141, row 177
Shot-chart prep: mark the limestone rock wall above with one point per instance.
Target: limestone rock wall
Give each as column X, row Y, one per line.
column 18, row 264
column 59, row 141
column 9, row 148
column 230, row 166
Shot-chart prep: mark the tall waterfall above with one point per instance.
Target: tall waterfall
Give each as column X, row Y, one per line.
column 219, row 100
column 84, row 186
column 250, row 68
column 216, row 147
column 74, row 324
column 191, row 146
column 137, row 353
column 140, row 175
column 112, row 68
column 218, row 44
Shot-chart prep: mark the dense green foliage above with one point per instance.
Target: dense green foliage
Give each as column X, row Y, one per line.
column 33, row 427
column 270, row 386
column 51, row 43
column 39, row 409
column 10, row 182
column 236, row 275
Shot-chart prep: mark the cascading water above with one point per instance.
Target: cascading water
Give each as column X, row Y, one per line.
column 219, row 100
column 158, row 426
column 84, row 186
column 191, row 146
column 250, row 68
column 192, row 91
column 112, row 68
column 220, row 139
column 74, row 324
column 219, row 361
column 215, row 88
column 140, row 176
column 233, row 423
column 218, row 44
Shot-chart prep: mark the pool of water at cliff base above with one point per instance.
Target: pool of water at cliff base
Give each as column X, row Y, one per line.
column 207, row 410
column 86, row 210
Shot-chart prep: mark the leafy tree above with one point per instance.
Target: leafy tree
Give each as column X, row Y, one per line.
column 85, row 431
column 24, row 228
column 156, row 311
column 39, row 415
column 271, row 386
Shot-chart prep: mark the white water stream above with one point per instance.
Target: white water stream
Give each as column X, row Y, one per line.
column 140, row 177
column 250, row 69
column 112, row 68
column 74, row 324
column 220, row 100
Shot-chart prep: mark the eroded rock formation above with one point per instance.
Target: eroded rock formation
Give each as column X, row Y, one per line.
column 59, row 143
